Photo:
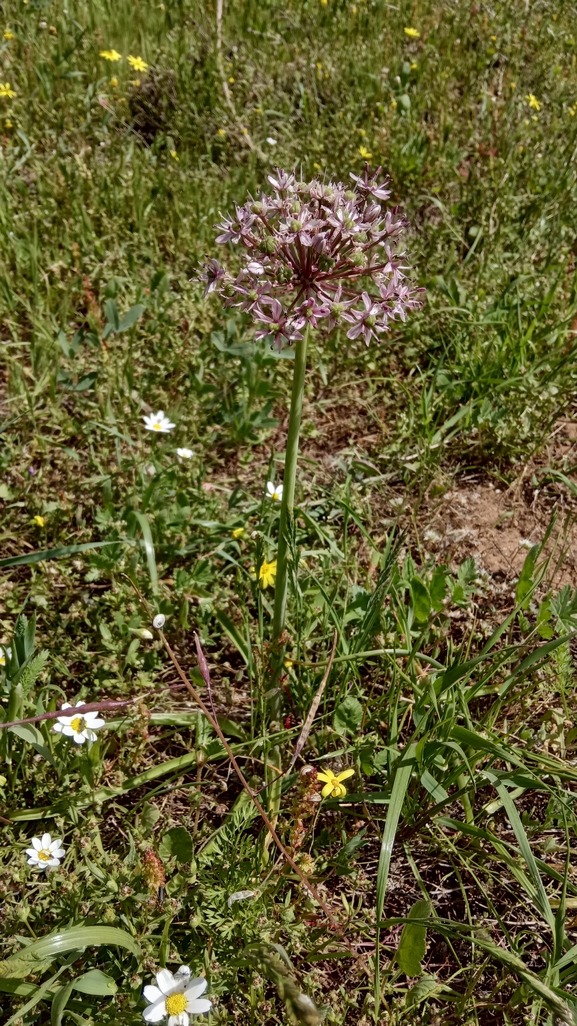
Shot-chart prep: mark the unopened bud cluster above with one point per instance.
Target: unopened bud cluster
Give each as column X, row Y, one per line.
column 314, row 252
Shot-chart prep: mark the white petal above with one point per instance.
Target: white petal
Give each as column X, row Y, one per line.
column 32, row 861
column 179, row 1020
column 57, row 727
column 154, row 1013
column 93, row 720
column 195, row 988
column 67, row 729
column 79, row 702
column 36, row 843
column 270, row 487
column 31, row 852
column 52, row 862
column 79, row 738
column 165, row 980
column 199, row 1006
column 66, row 705
column 59, row 853
column 55, row 843
column 46, row 840
column 183, row 972
column 152, row 993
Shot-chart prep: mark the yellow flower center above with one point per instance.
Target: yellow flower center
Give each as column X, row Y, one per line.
column 78, row 724
column 44, row 855
column 156, row 426
column 175, row 1004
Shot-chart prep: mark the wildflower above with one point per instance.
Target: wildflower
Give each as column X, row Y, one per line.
column 111, row 55
column 238, row 532
column 270, row 140
column 414, row 66
column 114, row 82
column 184, row 454
column 158, row 422
column 274, row 491
column 175, row 996
column 313, row 250
column 365, row 153
column 53, row 30
column 8, row 34
column 221, row 131
column 81, row 728
column 513, row 85
column 38, row 520
column 412, row 33
column 288, row 663
column 267, row 573
column 334, row 788
column 137, row 63
column 135, row 82
column 533, row 102
column 45, row 852
column 231, row 80
column 6, row 90
column 174, row 154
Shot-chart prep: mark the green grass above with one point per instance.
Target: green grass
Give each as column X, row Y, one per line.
column 449, row 864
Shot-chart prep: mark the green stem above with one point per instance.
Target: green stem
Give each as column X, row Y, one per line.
column 288, row 495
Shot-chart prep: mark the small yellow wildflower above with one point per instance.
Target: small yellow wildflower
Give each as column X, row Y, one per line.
column 533, row 101
column 493, row 39
column 137, row 63
column 324, row 3
column 288, row 664
column 266, row 574
column 412, row 33
column 111, row 55
column 221, row 131
column 334, row 787
column 7, row 123
column 53, row 30
column 114, row 82
column 238, row 532
column 393, row 105
column 8, row 34
column 353, row 9
column 572, row 111
column 414, row 66
column 174, row 155
column 135, row 82
column 231, row 80
column 38, row 520
column 316, row 166
column 513, row 86
column 365, row 153
column 5, row 90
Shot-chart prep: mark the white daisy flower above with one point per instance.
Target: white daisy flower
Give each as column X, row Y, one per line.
column 158, row 422
column 45, row 852
column 274, row 491
column 184, row 454
column 270, row 140
column 80, row 727
column 175, row 996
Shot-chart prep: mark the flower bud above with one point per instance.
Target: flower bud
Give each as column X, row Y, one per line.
column 257, row 207
column 296, row 226
column 269, row 245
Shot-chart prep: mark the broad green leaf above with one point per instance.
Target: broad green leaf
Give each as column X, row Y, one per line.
column 39, row 993
column 95, row 982
column 525, row 582
column 413, row 942
column 59, row 1002
column 422, row 989
column 348, row 716
column 178, row 842
column 130, row 317
column 420, row 600
column 75, row 938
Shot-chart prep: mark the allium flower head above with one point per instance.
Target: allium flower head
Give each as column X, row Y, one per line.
column 316, row 251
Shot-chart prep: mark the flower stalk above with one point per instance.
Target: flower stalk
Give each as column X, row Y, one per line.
column 286, row 525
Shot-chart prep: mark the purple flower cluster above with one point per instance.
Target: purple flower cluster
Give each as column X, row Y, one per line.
column 316, row 251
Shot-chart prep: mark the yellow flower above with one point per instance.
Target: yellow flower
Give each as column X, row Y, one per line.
column 221, row 131
column 2, row 658
column 174, row 154
column 38, row 520
column 533, row 101
column 513, row 86
column 334, row 787
column 494, row 39
column 238, row 532
column 287, row 663
column 135, row 82
column 53, row 30
column 231, row 80
column 317, row 166
column 365, row 153
column 5, row 90
column 8, row 34
column 412, row 33
column 137, row 63
column 266, row 574
column 414, row 66
column 324, row 3
column 353, row 9
column 7, row 123
column 114, row 82
column 111, row 55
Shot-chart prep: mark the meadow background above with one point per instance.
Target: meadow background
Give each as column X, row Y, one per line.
column 435, row 530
